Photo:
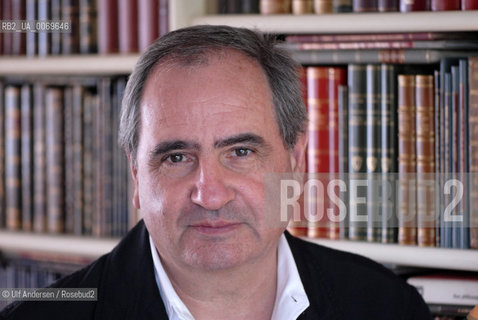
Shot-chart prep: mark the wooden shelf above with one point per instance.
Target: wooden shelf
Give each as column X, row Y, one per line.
column 424, row 21
column 57, row 245
column 439, row 258
column 68, row 65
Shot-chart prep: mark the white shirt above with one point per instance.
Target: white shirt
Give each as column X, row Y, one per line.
column 289, row 304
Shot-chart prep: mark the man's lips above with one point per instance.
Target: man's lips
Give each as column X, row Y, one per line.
column 215, row 227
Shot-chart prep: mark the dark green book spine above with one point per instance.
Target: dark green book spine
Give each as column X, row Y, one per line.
column 342, row 5
column 373, row 144
column 343, row 104
column 357, row 79
column 27, row 157
column 388, row 151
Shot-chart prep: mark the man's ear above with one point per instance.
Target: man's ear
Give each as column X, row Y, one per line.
column 134, row 172
column 298, row 160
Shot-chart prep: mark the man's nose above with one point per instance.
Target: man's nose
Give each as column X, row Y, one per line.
column 212, row 188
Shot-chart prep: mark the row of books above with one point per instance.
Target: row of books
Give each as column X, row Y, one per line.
column 397, row 131
column 62, row 169
column 338, row 6
column 61, row 27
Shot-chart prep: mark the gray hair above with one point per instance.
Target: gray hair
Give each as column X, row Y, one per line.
column 193, row 45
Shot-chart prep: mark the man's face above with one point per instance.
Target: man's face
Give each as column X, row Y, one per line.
column 208, row 136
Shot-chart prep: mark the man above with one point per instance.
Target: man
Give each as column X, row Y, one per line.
column 207, row 113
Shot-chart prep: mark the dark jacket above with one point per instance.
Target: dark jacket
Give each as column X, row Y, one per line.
column 339, row 286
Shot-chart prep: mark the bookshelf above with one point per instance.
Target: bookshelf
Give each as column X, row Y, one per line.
column 185, row 13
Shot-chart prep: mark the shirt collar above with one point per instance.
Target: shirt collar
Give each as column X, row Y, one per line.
column 289, row 304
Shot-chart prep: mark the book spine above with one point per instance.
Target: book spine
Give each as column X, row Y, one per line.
column 70, row 41
column 55, row 15
column 128, row 26
column 27, row 157
column 68, row 156
column 39, row 181
column 425, row 160
column 407, row 160
column 414, row 5
column 148, row 22
column 31, row 37
column 2, row 156
column 44, row 38
column 163, row 15
column 275, row 6
column 323, row 6
column 88, row 31
column 88, row 168
column 107, row 26
column 337, row 77
column 446, row 227
column 365, row 5
column 469, row 5
column 387, row 5
column 234, row 6
column 438, row 134
column 18, row 38
column 55, row 160
column 357, row 123
column 373, row 142
column 318, row 146
column 7, row 36
column 77, row 137
column 343, row 149
column 454, row 131
column 302, row 6
column 251, row 6
column 464, row 167
column 443, row 5
column 342, row 6
column 12, row 158
column 473, row 148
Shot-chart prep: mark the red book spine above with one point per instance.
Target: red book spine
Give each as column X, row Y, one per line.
column 469, row 4
column 163, row 17
column 444, row 5
column 128, row 26
column 318, row 147
column 107, row 26
column 147, row 22
column 414, row 5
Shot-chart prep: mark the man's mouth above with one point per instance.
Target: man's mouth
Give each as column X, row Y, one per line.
column 215, row 227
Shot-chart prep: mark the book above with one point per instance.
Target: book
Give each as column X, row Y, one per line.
column 323, row 6
column 442, row 5
column 414, row 5
column 44, row 38
column 373, row 143
column 31, row 37
column 469, row 5
column 446, row 228
column 302, row 6
column 7, row 36
column 438, row 173
column 77, row 146
column 108, row 22
column 357, row 120
column 368, row 56
column 453, row 157
column 163, row 15
column 55, row 159
column 27, row 157
column 39, row 150
column 387, row 5
column 343, row 149
column 275, row 6
column 342, row 6
column 128, row 28
column 425, row 163
column 2, row 156
column 464, row 164
column 70, row 41
column 365, row 5
column 250, row 6
column 69, row 169
column 407, row 223
column 18, row 38
column 55, row 15
column 13, row 158
column 88, row 26
column 388, row 151
column 473, row 148
column 148, row 26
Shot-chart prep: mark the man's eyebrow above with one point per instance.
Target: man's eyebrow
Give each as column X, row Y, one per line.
column 249, row 138
column 167, row 146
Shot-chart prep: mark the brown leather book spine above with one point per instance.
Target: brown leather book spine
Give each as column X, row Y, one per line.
column 302, row 6
column 107, row 26
column 128, row 26
column 275, row 6
column 407, row 223
column 39, row 150
column 473, row 148
column 27, row 157
column 12, row 158
column 70, row 41
column 148, row 22
column 469, row 5
column 55, row 160
column 425, row 127
column 323, row 6
column 443, row 5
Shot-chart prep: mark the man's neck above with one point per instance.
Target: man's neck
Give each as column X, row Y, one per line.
column 245, row 292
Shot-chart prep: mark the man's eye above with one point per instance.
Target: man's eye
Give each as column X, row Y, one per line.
column 242, row 152
column 175, row 158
